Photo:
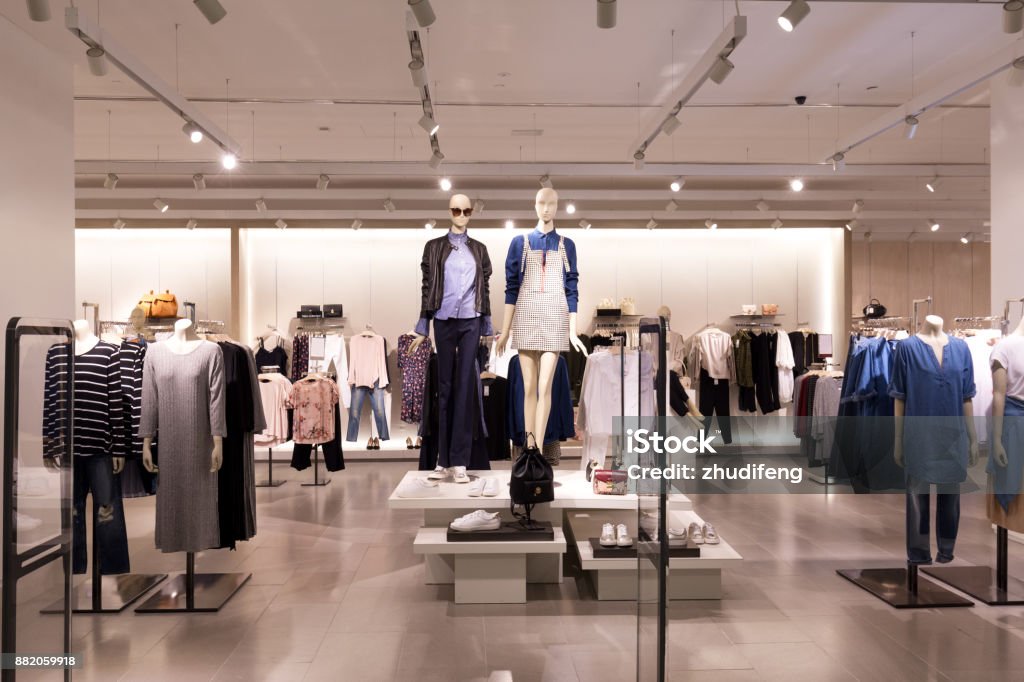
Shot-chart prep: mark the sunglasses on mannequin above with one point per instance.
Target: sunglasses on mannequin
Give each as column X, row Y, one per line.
column 461, row 211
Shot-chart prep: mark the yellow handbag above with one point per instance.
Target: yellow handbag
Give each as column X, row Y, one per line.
column 159, row 305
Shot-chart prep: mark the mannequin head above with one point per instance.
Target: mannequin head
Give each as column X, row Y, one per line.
column 932, row 324
column 665, row 311
column 82, row 330
column 546, row 205
column 460, row 201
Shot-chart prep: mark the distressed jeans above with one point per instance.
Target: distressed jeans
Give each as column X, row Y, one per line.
column 96, row 475
column 376, row 394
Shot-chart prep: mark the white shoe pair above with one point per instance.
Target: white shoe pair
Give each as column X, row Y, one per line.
column 703, row 535
column 478, row 520
column 488, row 487
column 615, row 536
column 458, row 473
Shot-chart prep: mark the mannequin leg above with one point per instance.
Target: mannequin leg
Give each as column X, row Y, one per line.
column 918, row 524
column 529, row 362
column 947, row 524
column 546, row 376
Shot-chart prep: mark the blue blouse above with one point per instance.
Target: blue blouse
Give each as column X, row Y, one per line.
column 541, row 242
column 934, row 432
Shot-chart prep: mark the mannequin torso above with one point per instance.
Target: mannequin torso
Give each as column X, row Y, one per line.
column 85, row 340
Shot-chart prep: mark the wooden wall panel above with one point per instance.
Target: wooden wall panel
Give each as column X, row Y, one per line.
column 921, row 270
column 888, row 276
column 953, row 283
column 860, row 276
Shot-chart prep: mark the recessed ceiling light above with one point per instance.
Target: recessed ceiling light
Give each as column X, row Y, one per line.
column 794, row 14
column 677, row 184
column 110, row 182
column 445, row 184
column 281, row 224
column 160, row 205
column 570, row 208
column 509, row 224
column 323, row 181
column 796, row 184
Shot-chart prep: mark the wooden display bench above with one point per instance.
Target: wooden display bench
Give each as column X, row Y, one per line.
column 615, row 579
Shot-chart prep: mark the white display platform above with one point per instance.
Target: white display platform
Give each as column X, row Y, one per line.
column 616, row 578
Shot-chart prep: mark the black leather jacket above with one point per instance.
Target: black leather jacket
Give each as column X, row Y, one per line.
column 435, row 254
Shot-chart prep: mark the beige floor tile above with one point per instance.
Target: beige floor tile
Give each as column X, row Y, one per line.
column 356, row 657
column 763, row 631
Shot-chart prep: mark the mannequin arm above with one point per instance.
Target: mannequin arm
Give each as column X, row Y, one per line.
column 118, row 463
column 416, row 344
column 574, row 340
column 972, row 436
column 899, row 409
column 147, row 456
column 998, row 410
column 506, row 328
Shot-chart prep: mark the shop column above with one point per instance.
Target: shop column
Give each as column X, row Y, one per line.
column 1007, row 178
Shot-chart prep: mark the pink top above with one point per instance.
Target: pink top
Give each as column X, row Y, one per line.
column 367, row 361
column 313, row 400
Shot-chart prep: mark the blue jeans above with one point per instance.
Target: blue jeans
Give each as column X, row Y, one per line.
column 95, row 474
column 376, row 395
column 947, row 522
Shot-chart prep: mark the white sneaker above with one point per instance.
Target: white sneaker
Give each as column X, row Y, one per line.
column 710, row 536
column 696, row 534
column 677, row 534
column 438, row 474
column 491, row 487
column 476, row 488
column 622, row 538
column 460, row 475
column 607, row 535
column 478, row 520
column 419, row 487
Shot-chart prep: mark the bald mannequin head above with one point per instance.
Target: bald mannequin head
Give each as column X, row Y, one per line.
column 461, row 201
column 546, row 205
column 665, row 311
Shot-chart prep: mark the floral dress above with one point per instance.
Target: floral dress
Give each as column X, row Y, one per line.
column 414, row 377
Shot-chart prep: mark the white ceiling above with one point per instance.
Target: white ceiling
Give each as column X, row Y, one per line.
column 342, row 65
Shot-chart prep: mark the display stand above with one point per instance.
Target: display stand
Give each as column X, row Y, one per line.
column 316, row 470
column 994, row 588
column 902, row 588
column 194, row 593
column 270, row 482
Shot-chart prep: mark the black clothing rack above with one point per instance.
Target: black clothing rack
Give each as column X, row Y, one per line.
column 270, row 482
column 316, row 470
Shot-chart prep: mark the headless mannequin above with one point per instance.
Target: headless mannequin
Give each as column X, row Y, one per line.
column 184, row 341
column 85, row 341
column 538, row 366
column 931, row 333
column 999, row 383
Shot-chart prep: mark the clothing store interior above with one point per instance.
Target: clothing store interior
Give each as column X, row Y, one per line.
column 331, row 327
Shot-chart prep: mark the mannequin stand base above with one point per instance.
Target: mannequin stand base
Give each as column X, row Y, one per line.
column 212, row 591
column 117, row 592
column 890, row 585
column 980, row 582
column 270, row 484
column 317, row 483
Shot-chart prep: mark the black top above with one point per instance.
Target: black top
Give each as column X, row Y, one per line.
column 98, row 421
column 272, row 358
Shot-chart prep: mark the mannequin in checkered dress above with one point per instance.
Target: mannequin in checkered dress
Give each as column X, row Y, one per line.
column 541, row 298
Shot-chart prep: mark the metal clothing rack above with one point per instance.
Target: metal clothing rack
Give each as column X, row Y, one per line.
column 270, row 482
column 317, row 482
column 916, row 303
column 95, row 315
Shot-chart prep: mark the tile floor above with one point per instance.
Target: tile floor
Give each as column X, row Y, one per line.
column 337, row 594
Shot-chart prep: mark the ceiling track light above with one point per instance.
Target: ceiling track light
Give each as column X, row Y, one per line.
column 796, row 184
column 323, row 181
column 478, row 206
column 39, row 10
column 721, row 70
column 430, row 224
column 1013, row 16
column 638, row 161
column 677, row 184
column 545, row 182
column 838, row 162
column 389, row 205
column 710, row 224
column 965, row 238
column 445, row 184
column 570, row 208
column 858, row 206
column 160, row 205
column 793, row 15
column 428, row 123
column 110, row 182
column 423, row 12
column 510, row 224
column 435, row 160
column 356, row 224
column 671, row 125
column 911, row 123
column 280, row 223
column 932, row 184
column 261, row 205
column 912, row 237
column 606, row 14
column 852, row 225
column 777, row 223
column 228, row 161
column 191, row 224
column 1017, row 72
column 651, row 224
column 119, row 224
column 195, row 135
column 419, row 73
column 671, row 205
column 585, row 224
column 97, row 61
column 933, row 225
column 211, row 9
column 763, row 206
column 867, row 237
column 199, row 181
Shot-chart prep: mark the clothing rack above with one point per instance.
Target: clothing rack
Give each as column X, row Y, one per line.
column 315, row 324
column 317, row 482
column 95, row 315
column 972, row 322
column 209, row 326
column 757, row 325
column 916, row 303
column 1006, row 313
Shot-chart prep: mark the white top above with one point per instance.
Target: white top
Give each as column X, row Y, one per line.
column 715, row 353
column 274, row 390
column 785, row 361
column 1010, row 354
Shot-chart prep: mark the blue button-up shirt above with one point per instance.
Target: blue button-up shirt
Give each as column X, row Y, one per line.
column 548, row 242
column 459, row 299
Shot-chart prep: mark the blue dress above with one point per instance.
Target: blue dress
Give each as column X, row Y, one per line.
column 934, row 431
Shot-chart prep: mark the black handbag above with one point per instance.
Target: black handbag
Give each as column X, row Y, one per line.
column 874, row 309
column 533, row 480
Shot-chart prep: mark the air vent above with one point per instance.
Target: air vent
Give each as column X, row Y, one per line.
column 528, row 132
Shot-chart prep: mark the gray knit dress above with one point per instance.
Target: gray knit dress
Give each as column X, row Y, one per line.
column 183, row 400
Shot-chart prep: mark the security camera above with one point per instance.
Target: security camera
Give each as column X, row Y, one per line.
column 800, row 99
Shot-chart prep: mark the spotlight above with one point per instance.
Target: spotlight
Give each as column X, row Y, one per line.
column 191, row 224
column 858, row 205
column 356, row 224
column 261, row 205
column 509, row 224
column 911, row 123
column 671, row 125
column 389, row 206
column 777, row 223
column 838, row 162
column 585, row 225
column 721, row 70
column 932, row 184
column 193, row 132
column 161, row 205
column 851, row 225
column 39, row 10
column 445, row 184
column 119, row 224
column 211, row 9
column 867, row 237
column 933, row 225
column 677, row 184
column 796, row 184
column 1013, row 16
column 763, row 206
column 794, row 14
column 323, row 181
column 651, row 224
column 478, row 206
column 710, row 224
column 419, row 72
column 545, row 182
column 435, row 160
column 97, row 61
column 228, row 161
column 281, row 224
column 430, row 224
column 606, row 13
column 428, row 123
column 570, row 208
column 110, row 182
column 671, row 205
column 423, row 11
column 965, row 238
column 1017, row 72
column 198, row 181
column 638, row 161
column 912, row 237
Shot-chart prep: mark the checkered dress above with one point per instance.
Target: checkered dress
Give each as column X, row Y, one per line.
column 541, row 319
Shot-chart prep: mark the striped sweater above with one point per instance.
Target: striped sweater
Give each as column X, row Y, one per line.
column 98, row 422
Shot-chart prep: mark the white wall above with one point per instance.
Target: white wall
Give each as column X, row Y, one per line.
column 116, row 267
column 1007, row 198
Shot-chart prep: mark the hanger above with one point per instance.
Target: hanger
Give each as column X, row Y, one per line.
column 368, row 331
